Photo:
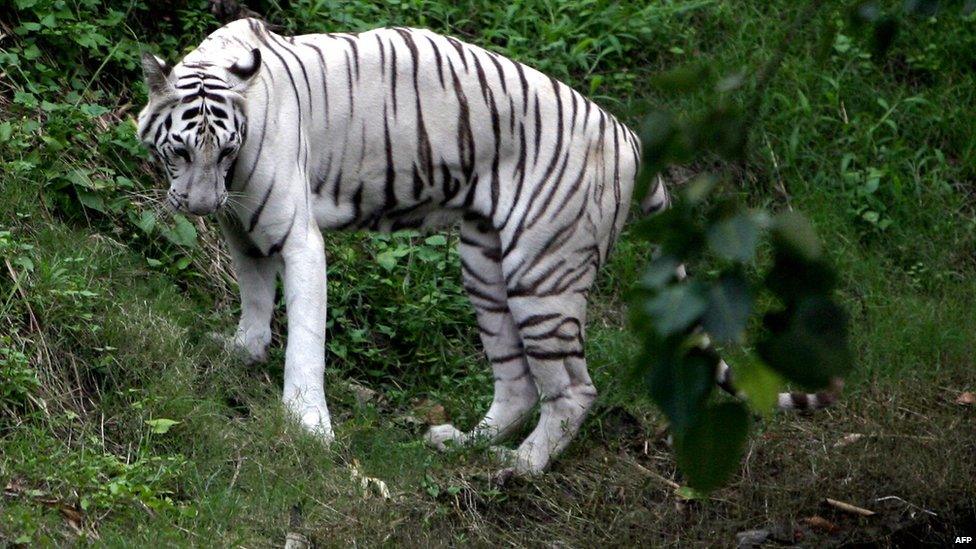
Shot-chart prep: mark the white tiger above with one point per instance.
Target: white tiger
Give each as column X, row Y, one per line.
column 402, row 128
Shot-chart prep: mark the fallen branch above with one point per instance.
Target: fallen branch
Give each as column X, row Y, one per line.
column 848, row 508
column 648, row 473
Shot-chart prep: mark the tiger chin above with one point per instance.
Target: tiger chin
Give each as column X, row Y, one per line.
column 286, row 137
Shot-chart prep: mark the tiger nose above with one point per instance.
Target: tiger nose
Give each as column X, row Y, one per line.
column 197, row 209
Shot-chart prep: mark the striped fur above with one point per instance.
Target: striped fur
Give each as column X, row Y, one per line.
column 285, row 137
column 393, row 129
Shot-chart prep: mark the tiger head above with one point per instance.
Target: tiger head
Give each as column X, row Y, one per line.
column 194, row 126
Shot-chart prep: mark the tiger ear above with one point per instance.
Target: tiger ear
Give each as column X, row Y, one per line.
column 245, row 68
column 157, row 75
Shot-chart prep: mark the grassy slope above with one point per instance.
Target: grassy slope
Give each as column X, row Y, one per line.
column 232, row 470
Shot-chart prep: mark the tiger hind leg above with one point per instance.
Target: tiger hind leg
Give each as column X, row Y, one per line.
column 551, row 327
column 515, row 391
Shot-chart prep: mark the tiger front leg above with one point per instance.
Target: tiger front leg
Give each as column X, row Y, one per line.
column 303, row 254
column 256, row 279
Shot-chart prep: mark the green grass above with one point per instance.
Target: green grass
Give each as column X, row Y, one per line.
column 106, row 327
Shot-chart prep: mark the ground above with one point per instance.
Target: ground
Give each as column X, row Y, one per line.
column 122, row 422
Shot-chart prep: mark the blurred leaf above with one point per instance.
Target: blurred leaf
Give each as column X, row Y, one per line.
column 729, row 305
column 734, row 238
column 657, row 141
column 660, row 271
column 731, row 82
column 721, row 131
column 699, row 188
column 759, row 384
column 711, row 449
column 684, row 79
column 883, row 36
column 807, row 343
column 864, row 13
column 794, row 233
column 792, row 278
column 679, row 385
column 676, row 308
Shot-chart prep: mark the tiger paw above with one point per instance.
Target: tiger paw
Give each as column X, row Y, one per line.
column 252, row 351
column 254, row 346
column 444, row 436
column 314, row 419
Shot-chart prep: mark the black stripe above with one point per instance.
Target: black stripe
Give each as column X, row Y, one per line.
column 535, row 320
column 382, row 58
column 482, row 80
column 501, row 73
column 437, row 58
column 394, row 75
column 352, row 101
column 525, row 87
column 506, row 358
column 257, row 213
column 460, row 49
column 277, row 246
column 259, row 141
column 355, row 52
column 538, row 131
column 390, row 189
column 552, row 355
column 294, row 87
column 466, row 146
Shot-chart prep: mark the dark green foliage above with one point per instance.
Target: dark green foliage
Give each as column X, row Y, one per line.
column 704, row 447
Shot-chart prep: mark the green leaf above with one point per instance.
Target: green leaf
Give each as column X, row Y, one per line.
column 729, row 305
column 31, row 52
column 161, row 426
column 734, row 238
column 182, row 263
column 710, row 450
column 80, row 178
column 436, row 240
column 386, row 259
column 185, row 232
column 676, row 308
column 146, row 222
column 24, row 263
column 92, row 110
column 5, row 130
column 91, row 200
column 690, row 494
